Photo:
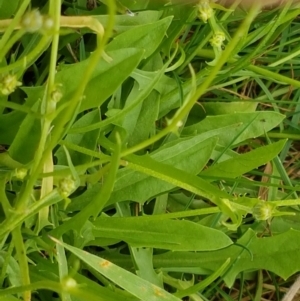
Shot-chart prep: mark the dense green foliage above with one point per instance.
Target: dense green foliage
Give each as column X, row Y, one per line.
column 147, row 154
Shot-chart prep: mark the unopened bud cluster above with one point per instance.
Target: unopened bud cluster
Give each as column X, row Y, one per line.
column 217, row 40
column 56, row 94
column 65, row 187
column 55, row 97
column 21, row 173
column 8, row 84
column 262, row 211
column 34, row 21
column 205, row 11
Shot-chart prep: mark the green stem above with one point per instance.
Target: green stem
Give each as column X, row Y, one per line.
column 18, row 107
column 49, row 285
column 285, row 203
column 66, row 21
column 274, row 76
column 181, row 214
column 4, row 201
column 22, row 259
column 46, row 109
column 283, row 135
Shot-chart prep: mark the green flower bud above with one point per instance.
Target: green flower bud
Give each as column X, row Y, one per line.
column 57, row 94
column 179, row 124
column 8, row 84
column 263, row 210
column 32, row 21
column 205, row 11
column 48, row 23
column 69, row 283
column 20, row 173
column 66, row 187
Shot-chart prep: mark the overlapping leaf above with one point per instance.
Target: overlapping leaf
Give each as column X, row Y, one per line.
column 131, row 283
column 278, row 254
column 167, row 234
column 186, row 154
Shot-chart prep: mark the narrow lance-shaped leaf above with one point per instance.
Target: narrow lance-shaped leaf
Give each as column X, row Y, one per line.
column 165, row 234
column 131, row 283
column 246, row 162
column 225, row 127
column 101, row 84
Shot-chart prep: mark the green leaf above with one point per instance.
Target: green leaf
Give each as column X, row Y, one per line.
column 175, row 176
column 44, row 270
column 150, row 81
column 86, row 140
column 12, row 269
column 144, row 37
column 225, row 127
column 101, row 84
column 189, row 154
column 204, row 283
column 284, row 223
column 222, row 108
column 131, row 283
column 241, row 164
column 165, row 234
column 278, row 254
column 145, row 77
column 125, row 22
column 142, row 258
column 8, row 8
column 27, row 139
column 10, row 123
column 145, row 123
column 11, row 298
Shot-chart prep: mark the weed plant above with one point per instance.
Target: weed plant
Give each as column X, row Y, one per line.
column 148, row 150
